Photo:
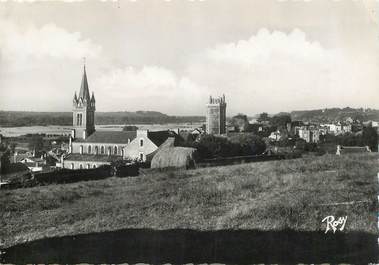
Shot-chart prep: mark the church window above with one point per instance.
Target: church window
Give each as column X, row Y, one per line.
column 96, row 150
column 141, row 142
column 141, row 156
column 88, row 166
column 94, row 166
column 81, row 166
column 109, row 150
column 115, row 150
column 72, row 166
column 102, row 150
column 89, row 149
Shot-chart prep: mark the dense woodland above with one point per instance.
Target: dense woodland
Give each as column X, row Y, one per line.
column 335, row 114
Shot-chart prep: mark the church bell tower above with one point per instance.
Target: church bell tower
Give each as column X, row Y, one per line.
column 83, row 113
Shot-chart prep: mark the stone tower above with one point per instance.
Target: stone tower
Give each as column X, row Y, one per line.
column 83, row 112
column 216, row 115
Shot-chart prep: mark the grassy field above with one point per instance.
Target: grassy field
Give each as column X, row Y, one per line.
column 295, row 194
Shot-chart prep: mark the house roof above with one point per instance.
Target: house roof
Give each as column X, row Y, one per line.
column 31, row 164
column 34, row 159
column 353, row 149
column 159, row 137
column 92, row 158
column 113, row 137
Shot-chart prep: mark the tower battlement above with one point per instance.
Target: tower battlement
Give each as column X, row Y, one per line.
column 219, row 100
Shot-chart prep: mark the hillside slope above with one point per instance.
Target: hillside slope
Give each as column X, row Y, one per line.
column 295, row 194
column 335, row 114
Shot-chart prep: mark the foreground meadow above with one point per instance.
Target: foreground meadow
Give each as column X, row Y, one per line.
column 290, row 194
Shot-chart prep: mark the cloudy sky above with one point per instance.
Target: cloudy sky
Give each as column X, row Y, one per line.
column 169, row 56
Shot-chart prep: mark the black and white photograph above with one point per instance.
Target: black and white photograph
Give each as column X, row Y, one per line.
column 189, row 132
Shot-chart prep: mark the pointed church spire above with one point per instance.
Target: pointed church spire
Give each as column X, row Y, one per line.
column 84, row 92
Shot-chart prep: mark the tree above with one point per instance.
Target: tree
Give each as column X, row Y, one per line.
column 263, row 117
column 240, row 122
column 249, row 144
column 129, row 128
column 4, row 160
column 370, row 138
column 211, row 146
column 36, row 143
column 280, row 121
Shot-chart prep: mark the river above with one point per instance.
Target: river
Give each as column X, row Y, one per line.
column 66, row 130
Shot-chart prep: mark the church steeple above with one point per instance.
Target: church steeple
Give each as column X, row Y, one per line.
column 84, row 91
column 84, row 110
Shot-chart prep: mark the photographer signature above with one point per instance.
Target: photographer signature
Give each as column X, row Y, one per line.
column 334, row 224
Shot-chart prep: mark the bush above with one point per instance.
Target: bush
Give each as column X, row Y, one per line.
column 127, row 170
column 69, row 175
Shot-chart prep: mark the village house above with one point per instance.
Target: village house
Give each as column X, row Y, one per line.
column 338, row 128
column 309, row 135
column 275, row 136
column 352, row 149
column 34, row 164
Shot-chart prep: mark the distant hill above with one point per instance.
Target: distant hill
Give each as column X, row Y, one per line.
column 25, row 118
column 335, row 114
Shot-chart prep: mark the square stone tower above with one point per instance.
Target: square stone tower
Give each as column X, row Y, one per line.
column 216, row 115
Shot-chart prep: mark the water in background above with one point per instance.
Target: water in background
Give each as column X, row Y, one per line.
column 66, row 130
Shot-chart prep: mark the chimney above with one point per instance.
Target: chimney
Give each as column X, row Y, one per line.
column 142, row 133
column 70, row 145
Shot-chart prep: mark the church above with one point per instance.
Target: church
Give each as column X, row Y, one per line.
column 89, row 148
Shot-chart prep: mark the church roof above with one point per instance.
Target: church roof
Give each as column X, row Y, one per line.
column 112, row 137
column 84, row 91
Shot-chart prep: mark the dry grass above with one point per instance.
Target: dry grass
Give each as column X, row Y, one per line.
column 266, row 195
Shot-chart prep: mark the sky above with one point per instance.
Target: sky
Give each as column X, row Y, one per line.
column 170, row 56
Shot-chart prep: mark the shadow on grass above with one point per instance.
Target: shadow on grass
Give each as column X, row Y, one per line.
column 182, row 246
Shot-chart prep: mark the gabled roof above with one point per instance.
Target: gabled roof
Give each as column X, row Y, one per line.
column 84, row 91
column 112, row 137
column 159, row 137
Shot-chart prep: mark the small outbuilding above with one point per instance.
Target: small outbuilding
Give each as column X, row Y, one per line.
column 352, row 149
